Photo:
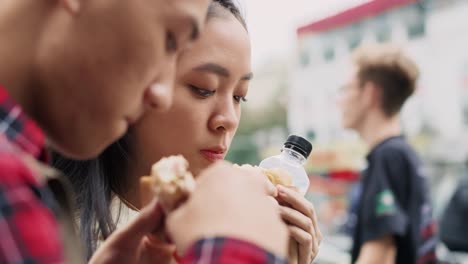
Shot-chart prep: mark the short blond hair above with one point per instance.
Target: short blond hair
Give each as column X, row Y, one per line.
column 389, row 69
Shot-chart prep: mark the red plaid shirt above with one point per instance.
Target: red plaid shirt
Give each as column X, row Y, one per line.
column 28, row 229
column 228, row 250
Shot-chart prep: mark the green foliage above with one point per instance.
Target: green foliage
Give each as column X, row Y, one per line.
column 243, row 148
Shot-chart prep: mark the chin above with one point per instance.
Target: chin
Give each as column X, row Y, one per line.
column 196, row 170
column 349, row 126
column 199, row 166
column 78, row 150
column 346, row 126
column 347, row 123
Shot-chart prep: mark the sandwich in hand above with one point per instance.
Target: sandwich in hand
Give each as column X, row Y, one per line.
column 170, row 182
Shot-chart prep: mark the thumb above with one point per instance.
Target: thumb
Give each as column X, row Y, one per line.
column 148, row 220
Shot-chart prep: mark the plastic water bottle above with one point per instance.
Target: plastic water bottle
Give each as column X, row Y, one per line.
column 293, row 156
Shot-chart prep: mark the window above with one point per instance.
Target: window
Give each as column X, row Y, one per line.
column 304, row 59
column 382, row 28
column 383, row 34
column 354, row 41
column 329, row 54
column 416, row 29
column 355, row 36
column 415, row 20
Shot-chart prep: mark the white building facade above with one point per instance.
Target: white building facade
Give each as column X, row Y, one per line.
column 434, row 33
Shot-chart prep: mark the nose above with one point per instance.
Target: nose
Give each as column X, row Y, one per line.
column 159, row 96
column 225, row 117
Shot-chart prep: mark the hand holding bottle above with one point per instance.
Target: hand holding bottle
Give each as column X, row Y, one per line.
column 295, row 210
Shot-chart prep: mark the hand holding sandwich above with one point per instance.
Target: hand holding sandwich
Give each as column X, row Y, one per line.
column 227, row 202
column 230, row 202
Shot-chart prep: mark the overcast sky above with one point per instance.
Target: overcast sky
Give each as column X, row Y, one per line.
column 272, row 23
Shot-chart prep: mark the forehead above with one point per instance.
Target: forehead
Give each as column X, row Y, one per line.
column 193, row 11
column 224, row 41
column 194, row 8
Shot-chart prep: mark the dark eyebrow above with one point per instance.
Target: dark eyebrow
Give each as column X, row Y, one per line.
column 247, row 77
column 220, row 70
column 213, row 68
column 195, row 29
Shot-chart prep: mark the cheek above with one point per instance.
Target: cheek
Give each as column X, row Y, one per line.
column 348, row 108
column 179, row 127
column 140, row 52
column 236, row 124
column 190, row 114
column 151, row 131
column 343, row 104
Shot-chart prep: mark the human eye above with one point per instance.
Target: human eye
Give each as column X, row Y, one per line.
column 171, row 42
column 239, row 99
column 201, row 92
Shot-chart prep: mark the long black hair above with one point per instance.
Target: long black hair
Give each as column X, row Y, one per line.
column 96, row 181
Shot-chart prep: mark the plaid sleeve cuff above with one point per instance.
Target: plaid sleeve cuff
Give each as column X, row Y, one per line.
column 228, row 250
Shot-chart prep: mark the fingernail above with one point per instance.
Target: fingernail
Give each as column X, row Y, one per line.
column 281, row 189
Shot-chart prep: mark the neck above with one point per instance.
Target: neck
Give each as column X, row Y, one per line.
column 132, row 192
column 378, row 128
column 20, row 27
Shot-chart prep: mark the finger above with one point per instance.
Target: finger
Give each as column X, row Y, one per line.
column 295, row 199
column 255, row 172
column 294, row 217
column 307, row 247
column 273, row 201
column 315, row 224
column 301, row 236
column 270, row 188
column 131, row 237
column 149, row 219
column 300, row 203
column 249, row 167
column 318, row 233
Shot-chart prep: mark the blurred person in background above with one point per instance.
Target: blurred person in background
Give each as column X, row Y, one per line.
column 394, row 215
column 453, row 232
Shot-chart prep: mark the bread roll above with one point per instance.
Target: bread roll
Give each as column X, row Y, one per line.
column 278, row 177
column 170, row 181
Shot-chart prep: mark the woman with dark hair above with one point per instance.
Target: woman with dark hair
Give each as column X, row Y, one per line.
column 211, row 84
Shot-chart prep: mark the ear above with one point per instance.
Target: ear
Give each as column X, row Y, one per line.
column 371, row 94
column 72, row 6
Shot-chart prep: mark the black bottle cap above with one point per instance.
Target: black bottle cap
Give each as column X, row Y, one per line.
column 299, row 144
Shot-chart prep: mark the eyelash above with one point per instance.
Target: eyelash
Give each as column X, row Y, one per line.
column 171, row 42
column 205, row 93
column 240, row 99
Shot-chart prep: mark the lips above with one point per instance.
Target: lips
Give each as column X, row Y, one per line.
column 213, row 154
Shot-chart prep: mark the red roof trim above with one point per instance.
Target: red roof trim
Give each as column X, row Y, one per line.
column 354, row 14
